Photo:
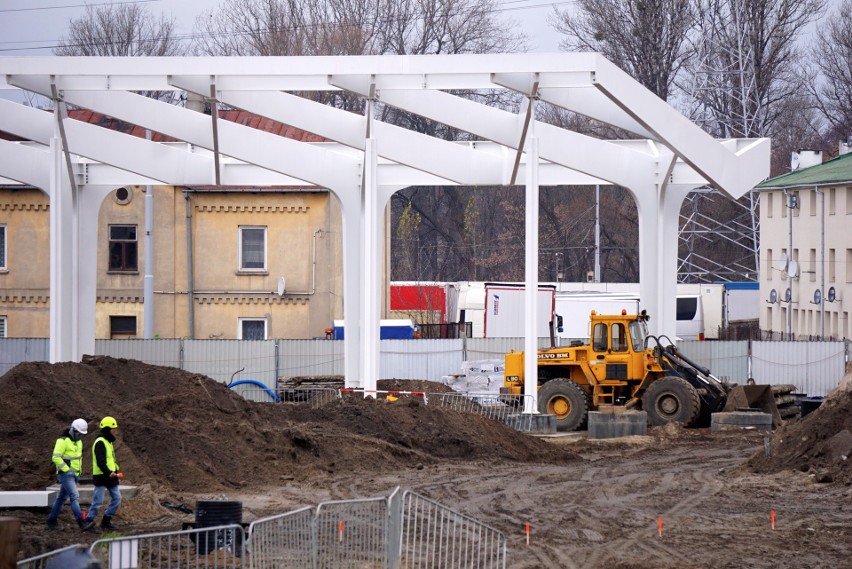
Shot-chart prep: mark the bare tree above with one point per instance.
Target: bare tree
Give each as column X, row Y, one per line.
column 120, row 30
column 833, row 56
column 647, row 38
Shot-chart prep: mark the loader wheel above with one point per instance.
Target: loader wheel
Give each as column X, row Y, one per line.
column 671, row 400
column 566, row 400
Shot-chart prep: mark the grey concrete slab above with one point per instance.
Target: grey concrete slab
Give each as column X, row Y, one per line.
column 607, row 425
column 27, row 498
column 86, row 490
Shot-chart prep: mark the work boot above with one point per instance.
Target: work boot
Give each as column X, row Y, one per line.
column 52, row 523
column 86, row 525
column 106, row 523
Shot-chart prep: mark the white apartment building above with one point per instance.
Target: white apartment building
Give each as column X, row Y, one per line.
column 806, row 249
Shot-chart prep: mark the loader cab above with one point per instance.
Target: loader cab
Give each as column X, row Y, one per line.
column 617, row 344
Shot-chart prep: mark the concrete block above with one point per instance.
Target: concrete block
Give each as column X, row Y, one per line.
column 734, row 420
column 27, row 499
column 541, row 424
column 86, row 490
column 614, row 425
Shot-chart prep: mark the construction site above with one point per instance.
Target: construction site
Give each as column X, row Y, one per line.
column 674, row 498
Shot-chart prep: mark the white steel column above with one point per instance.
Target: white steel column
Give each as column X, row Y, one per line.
column 90, row 200
column 350, row 207
column 531, row 272
column 62, row 258
column 371, row 268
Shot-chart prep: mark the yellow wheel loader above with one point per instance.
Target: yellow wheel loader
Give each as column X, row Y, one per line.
column 623, row 365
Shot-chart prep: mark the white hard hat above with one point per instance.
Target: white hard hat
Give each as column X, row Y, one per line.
column 80, row 426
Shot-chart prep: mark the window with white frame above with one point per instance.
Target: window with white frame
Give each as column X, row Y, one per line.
column 2, row 326
column 2, row 247
column 123, row 248
column 252, row 329
column 252, row 248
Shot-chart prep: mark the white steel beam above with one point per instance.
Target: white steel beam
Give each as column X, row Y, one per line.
column 25, row 164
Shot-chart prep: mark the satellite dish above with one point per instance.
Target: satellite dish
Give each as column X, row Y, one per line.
column 831, row 295
column 793, row 268
column 781, row 262
column 788, row 295
column 281, row 286
column 773, row 296
column 817, row 297
column 794, row 161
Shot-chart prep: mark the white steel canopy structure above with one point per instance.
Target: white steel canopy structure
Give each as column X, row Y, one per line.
column 77, row 164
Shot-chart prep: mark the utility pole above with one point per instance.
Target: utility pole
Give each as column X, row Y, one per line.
column 597, row 234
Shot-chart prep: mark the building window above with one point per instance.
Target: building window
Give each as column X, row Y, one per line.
column 770, row 201
column 813, row 200
column 848, row 201
column 252, row 329
column 2, row 326
column 123, row 248
column 796, row 204
column 832, row 274
column 2, row 247
column 122, row 326
column 849, row 265
column 769, row 264
column 813, row 265
column 252, row 248
column 832, row 201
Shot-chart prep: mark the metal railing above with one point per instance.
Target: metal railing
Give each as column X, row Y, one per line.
column 403, row 531
column 41, row 561
column 218, row 547
column 436, row 537
column 284, row 541
column 506, row 409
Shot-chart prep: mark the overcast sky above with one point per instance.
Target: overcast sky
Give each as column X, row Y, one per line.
column 33, row 27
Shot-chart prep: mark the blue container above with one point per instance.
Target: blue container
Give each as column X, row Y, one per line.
column 390, row 330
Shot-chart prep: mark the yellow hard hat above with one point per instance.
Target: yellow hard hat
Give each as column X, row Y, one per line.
column 108, row 422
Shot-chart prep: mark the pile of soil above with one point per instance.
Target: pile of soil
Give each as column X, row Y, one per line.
column 187, row 432
column 820, row 443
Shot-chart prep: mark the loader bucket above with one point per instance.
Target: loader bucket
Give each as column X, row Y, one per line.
column 754, row 397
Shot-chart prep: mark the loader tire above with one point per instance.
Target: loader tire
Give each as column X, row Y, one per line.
column 671, row 400
column 566, row 400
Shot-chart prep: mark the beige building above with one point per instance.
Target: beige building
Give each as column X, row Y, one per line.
column 220, row 257
column 806, row 250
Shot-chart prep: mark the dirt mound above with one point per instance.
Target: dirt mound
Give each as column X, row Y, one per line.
column 821, row 442
column 187, row 432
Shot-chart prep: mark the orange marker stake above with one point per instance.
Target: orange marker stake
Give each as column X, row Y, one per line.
column 528, row 533
column 772, row 518
column 660, row 526
column 341, row 531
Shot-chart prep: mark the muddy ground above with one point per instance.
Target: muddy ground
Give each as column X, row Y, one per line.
column 589, row 503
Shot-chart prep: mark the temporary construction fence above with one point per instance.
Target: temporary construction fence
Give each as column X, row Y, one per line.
column 507, row 409
column 41, row 561
column 813, row 367
column 404, row 531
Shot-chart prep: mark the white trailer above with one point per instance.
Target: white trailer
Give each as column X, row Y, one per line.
column 504, row 310
column 574, row 309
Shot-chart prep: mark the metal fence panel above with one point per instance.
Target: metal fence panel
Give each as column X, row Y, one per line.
column 224, row 360
column 310, row 357
column 41, row 561
column 282, row 542
column 726, row 360
column 154, row 351
column 437, row 537
column 420, row 359
column 815, row 368
column 16, row 350
column 218, row 547
column 506, row 409
column 352, row 534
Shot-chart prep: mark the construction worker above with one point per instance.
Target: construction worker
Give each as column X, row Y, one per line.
column 105, row 474
column 68, row 458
